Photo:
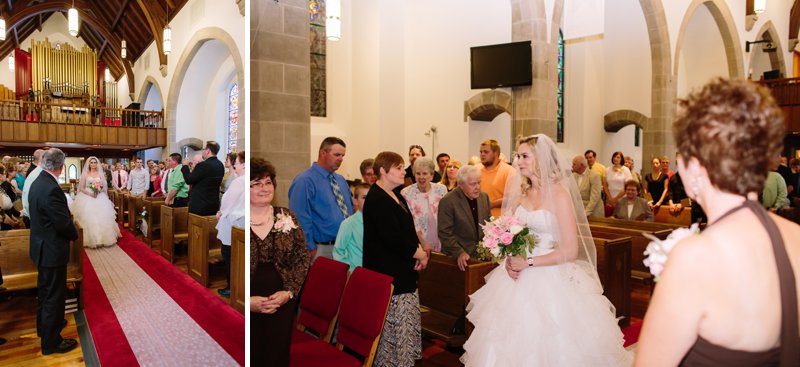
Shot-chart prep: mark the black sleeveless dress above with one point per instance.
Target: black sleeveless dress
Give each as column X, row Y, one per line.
column 704, row 353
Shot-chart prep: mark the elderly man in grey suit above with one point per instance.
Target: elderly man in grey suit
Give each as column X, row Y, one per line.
column 461, row 212
column 590, row 187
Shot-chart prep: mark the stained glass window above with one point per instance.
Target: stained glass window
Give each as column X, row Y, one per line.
column 317, row 40
column 560, row 97
column 233, row 117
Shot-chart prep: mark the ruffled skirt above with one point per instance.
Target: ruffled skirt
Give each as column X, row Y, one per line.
column 97, row 217
column 550, row 316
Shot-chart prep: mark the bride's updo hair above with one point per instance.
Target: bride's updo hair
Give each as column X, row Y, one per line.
column 734, row 129
column 555, row 173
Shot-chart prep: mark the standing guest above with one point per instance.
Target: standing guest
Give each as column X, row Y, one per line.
column 631, row 206
column 150, row 164
column 107, row 173
column 32, row 175
column 794, row 181
column 19, row 177
column 589, row 187
column 162, row 166
column 11, row 171
column 37, row 157
column 367, row 173
column 177, row 190
column 165, row 171
column 230, row 172
column 635, row 175
column 591, row 159
column 774, row 196
column 138, row 179
column 616, row 176
column 205, row 178
column 278, row 265
column 319, row 197
column 349, row 247
column 665, row 167
column 155, row 183
column 450, row 179
column 52, row 233
column 423, row 199
column 12, row 194
column 441, row 160
column 461, row 213
column 391, row 247
column 9, row 218
column 231, row 213
column 414, row 152
column 494, row 174
column 119, row 178
column 656, row 184
column 727, row 296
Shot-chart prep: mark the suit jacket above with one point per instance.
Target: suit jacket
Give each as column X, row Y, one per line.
column 641, row 211
column 457, row 230
column 590, row 188
column 205, row 180
column 51, row 225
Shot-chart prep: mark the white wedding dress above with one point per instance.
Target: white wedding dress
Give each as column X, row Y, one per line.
column 97, row 217
column 551, row 316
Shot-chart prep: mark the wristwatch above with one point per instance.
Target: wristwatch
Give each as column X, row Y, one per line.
column 291, row 295
column 530, row 261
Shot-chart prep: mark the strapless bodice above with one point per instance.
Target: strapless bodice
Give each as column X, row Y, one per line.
column 540, row 222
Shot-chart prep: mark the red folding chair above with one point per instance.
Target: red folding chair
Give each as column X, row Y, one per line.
column 361, row 315
column 319, row 300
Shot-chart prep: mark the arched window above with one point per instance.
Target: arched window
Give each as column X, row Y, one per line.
column 560, row 97
column 233, row 117
column 73, row 172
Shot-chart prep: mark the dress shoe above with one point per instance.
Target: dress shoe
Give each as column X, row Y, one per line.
column 225, row 292
column 65, row 346
column 2, row 341
column 63, row 324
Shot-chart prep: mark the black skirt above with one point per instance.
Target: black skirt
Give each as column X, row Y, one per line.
column 270, row 334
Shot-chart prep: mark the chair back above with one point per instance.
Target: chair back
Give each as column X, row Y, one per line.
column 321, row 294
column 363, row 310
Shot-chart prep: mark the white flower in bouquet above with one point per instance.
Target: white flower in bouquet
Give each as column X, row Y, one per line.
column 658, row 250
column 94, row 186
column 505, row 236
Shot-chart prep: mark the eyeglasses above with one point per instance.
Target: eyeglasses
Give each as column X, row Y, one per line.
column 260, row 184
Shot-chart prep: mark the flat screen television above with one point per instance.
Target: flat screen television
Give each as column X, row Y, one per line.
column 503, row 65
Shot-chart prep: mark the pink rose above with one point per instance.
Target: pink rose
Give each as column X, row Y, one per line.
column 506, row 238
column 490, row 242
column 497, row 230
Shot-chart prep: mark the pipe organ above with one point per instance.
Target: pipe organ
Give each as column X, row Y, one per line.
column 64, row 72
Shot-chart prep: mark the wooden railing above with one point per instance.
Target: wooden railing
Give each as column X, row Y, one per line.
column 61, row 111
column 787, row 93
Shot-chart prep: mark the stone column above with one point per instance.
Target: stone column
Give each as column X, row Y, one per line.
column 279, row 75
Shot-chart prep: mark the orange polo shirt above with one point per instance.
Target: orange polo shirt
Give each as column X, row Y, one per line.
column 493, row 182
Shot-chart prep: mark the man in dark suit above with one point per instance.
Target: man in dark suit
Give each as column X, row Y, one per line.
column 205, row 179
column 461, row 212
column 52, row 232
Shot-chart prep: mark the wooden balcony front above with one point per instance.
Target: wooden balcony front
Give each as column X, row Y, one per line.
column 787, row 93
column 71, row 125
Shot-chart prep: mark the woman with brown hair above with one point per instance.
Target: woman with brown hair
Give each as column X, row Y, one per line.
column 717, row 297
column 278, row 266
column 451, row 173
column 656, row 184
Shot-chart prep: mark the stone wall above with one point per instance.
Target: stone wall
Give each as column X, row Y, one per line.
column 280, row 88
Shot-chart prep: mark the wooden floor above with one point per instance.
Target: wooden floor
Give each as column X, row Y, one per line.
column 18, row 326
column 434, row 354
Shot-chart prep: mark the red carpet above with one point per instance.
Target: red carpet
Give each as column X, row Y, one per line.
column 220, row 321
column 631, row 333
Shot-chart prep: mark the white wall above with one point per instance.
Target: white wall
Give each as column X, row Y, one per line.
column 703, row 54
column 479, row 131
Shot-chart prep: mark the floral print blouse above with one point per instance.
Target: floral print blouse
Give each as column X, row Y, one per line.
column 285, row 249
column 424, row 208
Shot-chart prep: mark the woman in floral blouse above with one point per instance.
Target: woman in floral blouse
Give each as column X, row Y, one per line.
column 423, row 201
column 278, row 266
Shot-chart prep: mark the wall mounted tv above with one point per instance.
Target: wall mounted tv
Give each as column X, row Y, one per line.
column 503, row 65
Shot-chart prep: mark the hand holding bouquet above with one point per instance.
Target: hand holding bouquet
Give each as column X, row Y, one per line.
column 505, row 236
column 94, row 186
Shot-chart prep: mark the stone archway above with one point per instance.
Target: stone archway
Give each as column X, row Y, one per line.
column 143, row 90
column 198, row 39
column 776, row 59
column 615, row 121
column 657, row 137
column 487, row 105
column 727, row 29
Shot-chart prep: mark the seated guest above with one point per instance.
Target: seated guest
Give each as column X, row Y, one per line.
column 423, row 199
column 727, row 296
column 231, row 213
column 589, row 186
column 349, row 247
column 367, row 173
column 441, row 160
column 631, row 206
column 278, row 266
column 450, row 179
column 461, row 212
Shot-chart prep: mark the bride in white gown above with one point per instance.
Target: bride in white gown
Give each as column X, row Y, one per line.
column 546, row 308
column 93, row 210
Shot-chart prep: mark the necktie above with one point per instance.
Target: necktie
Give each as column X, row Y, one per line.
column 338, row 194
column 166, row 182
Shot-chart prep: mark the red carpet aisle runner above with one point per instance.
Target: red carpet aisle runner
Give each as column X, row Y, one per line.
column 142, row 310
column 631, row 333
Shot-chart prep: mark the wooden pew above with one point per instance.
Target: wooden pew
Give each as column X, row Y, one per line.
column 662, row 215
column 174, row 228
column 119, row 204
column 204, row 247
column 614, row 269
column 135, row 205
column 652, row 226
column 639, row 243
column 238, row 266
column 20, row 272
column 444, row 292
column 153, row 207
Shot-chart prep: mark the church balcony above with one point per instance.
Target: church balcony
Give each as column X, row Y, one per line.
column 787, row 93
column 72, row 125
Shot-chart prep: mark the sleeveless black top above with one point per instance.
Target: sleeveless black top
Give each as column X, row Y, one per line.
column 704, row 353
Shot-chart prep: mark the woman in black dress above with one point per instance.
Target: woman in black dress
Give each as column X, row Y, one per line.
column 656, row 184
column 391, row 247
column 278, row 266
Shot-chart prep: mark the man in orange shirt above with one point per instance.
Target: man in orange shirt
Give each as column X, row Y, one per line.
column 494, row 174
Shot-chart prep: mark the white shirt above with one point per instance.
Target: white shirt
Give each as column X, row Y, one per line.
column 616, row 180
column 138, row 181
column 27, row 188
column 164, row 175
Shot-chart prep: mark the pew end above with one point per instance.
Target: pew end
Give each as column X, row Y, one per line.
column 174, row 229
column 238, row 266
column 204, row 247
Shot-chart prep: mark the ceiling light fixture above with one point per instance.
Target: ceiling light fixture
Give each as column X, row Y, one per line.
column 167, row 41
column 2, row 29
column 333, row 20
column 72, row 20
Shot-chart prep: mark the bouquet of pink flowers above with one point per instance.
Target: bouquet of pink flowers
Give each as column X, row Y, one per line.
column 505, row 236
column 94, row 186
column 283, row 223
